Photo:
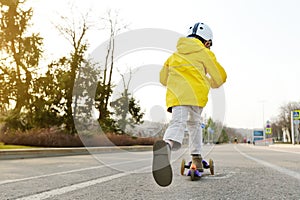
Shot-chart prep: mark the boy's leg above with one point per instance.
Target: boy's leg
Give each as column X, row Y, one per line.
column 161, row 167
column 177, row 126
column 195, row 136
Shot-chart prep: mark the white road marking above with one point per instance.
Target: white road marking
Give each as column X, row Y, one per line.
column 275, row 167
column 218, row 176
column 66, row 189
column 66, row 172
column 47, row 175
column 63, row 190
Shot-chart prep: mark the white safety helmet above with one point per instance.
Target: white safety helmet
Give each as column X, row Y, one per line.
column 201, row 30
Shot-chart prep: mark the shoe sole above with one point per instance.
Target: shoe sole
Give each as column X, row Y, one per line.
column 161, row 168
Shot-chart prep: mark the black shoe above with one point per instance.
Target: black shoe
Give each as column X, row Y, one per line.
column 161, row 168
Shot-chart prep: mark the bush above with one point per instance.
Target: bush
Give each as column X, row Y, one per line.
column 55, row 137
column 46, row 137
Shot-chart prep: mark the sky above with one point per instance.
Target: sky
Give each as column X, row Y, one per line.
column 257, row 42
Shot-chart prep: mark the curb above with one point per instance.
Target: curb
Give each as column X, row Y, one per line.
column 8, row 154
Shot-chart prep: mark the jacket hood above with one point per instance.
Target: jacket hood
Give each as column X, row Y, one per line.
column 189, row 45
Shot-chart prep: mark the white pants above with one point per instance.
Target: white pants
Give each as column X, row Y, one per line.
column 186, row 117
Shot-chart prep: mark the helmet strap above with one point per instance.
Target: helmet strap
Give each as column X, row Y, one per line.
column 208, row 44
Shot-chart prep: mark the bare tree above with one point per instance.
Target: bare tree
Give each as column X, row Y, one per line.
column 126, row 109
column 104, row 88
column 75, row 32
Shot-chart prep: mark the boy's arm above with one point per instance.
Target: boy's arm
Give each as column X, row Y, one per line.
column 164, row 73
column 216, row 72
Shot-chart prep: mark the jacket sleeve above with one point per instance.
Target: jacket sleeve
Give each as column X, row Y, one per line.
column 217, row 74
column 164, row 73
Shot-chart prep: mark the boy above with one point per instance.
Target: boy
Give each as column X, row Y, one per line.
column 188, row 75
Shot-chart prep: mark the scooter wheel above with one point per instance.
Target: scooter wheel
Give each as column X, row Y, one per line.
column 211, row 167
column 192, row 174
column 182, row 167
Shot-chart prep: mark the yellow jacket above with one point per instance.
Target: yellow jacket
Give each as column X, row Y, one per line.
column 189, row 73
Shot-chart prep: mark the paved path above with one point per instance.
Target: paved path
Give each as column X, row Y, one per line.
column 242, row 172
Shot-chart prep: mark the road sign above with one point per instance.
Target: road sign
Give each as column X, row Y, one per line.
column 268, row 124
column 296, row 122
column 268, row 130
column 296, row 114
column 202, row 125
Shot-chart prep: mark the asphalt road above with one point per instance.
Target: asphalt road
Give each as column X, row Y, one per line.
column 241, row 172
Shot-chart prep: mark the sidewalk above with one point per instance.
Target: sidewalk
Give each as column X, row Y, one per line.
column 279, row 147
column 289, row 146
column 6, row 154
column 285, row 148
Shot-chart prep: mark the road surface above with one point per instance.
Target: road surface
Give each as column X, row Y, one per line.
column 241, row 172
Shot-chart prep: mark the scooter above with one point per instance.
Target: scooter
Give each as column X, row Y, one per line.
column 193, row 172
